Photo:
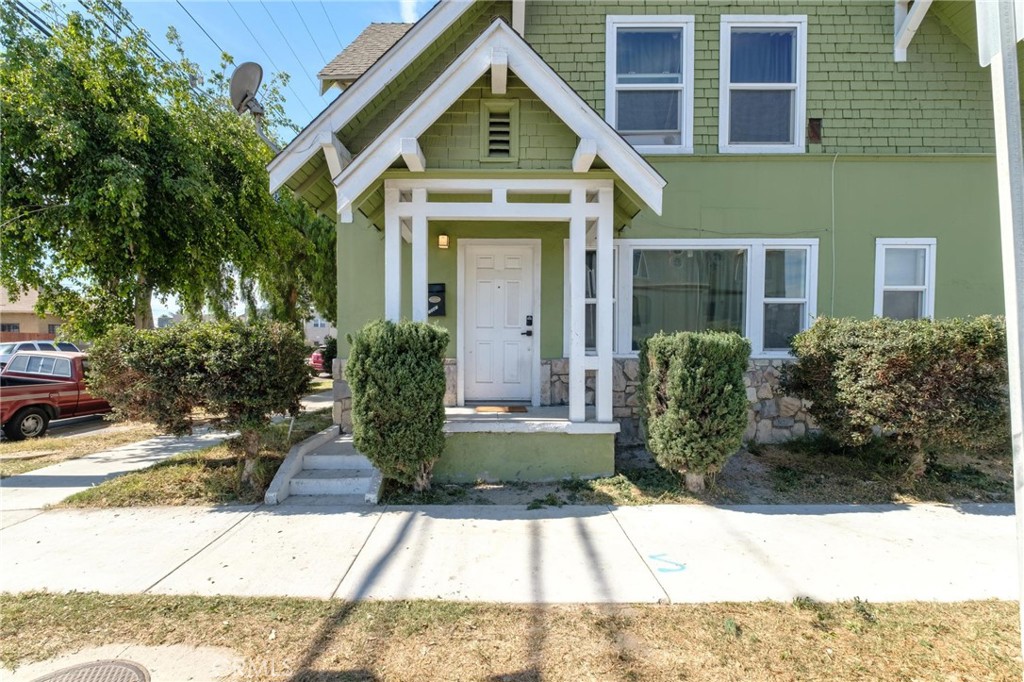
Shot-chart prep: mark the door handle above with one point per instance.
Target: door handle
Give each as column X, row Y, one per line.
column 528, row 332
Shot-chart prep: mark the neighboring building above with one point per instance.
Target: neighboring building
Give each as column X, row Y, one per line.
column 317, row 329
column 18, row 318
column 166, row 320
column 578, row 175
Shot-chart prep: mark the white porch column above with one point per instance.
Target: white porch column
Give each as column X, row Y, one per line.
column 419, row 255
column 605, row 265
column 577, row 307
column 392, row 257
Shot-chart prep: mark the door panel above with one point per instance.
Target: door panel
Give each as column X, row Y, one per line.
column 500, row 295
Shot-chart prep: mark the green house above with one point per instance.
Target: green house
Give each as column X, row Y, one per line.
column 553, row 181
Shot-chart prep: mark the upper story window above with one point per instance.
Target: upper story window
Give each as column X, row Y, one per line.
column 905, row 278
column 763, row 91
column 649, row 81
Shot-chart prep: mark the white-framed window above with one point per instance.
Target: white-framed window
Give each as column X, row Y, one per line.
column 765, row 289
column 319, row 323
column 649, row 81
column 590, row 300
column 763, row 84
column 905, row 278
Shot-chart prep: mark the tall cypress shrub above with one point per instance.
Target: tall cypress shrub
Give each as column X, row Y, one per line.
column 693, row 405
column 396, row 373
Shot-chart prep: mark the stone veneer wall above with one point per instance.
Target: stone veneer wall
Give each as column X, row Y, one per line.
column 772, row 418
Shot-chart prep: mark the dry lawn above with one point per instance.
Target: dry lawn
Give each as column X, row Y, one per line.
column 208, row 476
column 306, row 640
column 804, row 471
column 19, row 457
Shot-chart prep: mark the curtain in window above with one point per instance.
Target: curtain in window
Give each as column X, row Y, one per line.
column 763, row 56
column 649, row 56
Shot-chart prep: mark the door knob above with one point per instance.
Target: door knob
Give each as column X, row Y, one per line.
column 528, row 332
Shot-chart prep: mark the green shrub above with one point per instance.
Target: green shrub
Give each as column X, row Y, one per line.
column 240, row 373
column 329, row 353
column 925, row 384
column 396, row 372
column 693, row 405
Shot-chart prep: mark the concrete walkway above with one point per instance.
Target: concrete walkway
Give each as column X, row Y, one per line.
column 685, row 553
column 25, row 495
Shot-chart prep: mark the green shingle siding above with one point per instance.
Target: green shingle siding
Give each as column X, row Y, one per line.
column 939, row 101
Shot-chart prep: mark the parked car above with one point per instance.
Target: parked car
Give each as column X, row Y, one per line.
column 38, row 387
column 9, row 349
column 316, row 360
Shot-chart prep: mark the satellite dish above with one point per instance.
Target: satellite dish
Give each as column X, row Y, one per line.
column 245, row 81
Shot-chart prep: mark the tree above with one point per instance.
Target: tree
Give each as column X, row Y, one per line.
column 120, row 179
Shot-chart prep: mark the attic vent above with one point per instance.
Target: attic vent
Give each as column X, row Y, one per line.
column 499, row 130
column 499, row 134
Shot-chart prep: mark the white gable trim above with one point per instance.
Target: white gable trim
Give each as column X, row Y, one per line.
column 348, row 104
column 623, row 160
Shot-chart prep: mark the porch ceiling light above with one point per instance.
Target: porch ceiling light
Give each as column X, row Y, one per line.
column 442, row 241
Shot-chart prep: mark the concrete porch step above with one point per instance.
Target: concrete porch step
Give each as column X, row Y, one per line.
column 331, row 482
column 318, row 460
column 325, row 501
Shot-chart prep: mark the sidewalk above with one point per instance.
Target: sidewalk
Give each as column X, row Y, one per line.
column 25, row 495
column 680, row 553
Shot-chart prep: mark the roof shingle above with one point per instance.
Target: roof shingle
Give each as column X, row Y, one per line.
column 363, row 52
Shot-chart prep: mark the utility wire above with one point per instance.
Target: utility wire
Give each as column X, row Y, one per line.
column 39, row 23
column 287, row 42
column 308, row 32
column 201, row 28
column 331, row 22
column 269, row 58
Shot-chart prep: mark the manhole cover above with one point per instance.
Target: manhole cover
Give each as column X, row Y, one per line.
column 99, row 671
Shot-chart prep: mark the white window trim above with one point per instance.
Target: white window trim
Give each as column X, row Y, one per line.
column 929, row 244
column 754, row 318
column 590, row 301
column 728, row 22
column 686, row 23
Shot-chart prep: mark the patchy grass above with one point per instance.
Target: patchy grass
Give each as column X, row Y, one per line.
column 320, row 384
column 19, row 457
column 805, row 471
column 315, row 640
column 207, row 476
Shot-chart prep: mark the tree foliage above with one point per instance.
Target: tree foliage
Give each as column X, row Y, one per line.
column 125, row 178
column 240, row 373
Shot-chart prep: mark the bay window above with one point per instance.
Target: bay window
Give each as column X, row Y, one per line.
column 649, row 81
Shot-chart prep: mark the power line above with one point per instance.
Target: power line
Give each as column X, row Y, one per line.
column 269, row 58
column 205, row 32
column 310, row 33
column 38, row 22
column 287, row 42
column 331, row 22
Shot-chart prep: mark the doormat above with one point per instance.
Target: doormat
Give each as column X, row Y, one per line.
column 500, row 409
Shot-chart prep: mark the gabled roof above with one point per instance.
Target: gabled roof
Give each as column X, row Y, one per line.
column 362, row 53
column 500, row 45
column 368, row 86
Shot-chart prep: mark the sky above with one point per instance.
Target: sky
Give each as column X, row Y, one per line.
column 296, row 37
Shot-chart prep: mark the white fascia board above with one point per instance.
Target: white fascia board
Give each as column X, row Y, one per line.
column 412, row 154
column 368, row 86
column 467, row 68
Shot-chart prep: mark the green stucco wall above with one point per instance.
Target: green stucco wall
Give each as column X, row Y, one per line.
column 470, row 457
column 949, row 198
column 937, row 101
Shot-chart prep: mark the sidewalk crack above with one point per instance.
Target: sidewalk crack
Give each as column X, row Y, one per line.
column 668, row 599
column 352, row 563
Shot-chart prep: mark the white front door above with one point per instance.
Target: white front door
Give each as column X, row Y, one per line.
column 501, row 324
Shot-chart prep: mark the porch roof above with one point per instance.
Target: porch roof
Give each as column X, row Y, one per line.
column 500, row 50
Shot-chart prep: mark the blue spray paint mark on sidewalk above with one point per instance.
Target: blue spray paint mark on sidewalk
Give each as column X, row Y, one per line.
column 673, row 566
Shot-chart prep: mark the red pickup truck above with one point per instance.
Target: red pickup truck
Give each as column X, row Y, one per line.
column 38, row 387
